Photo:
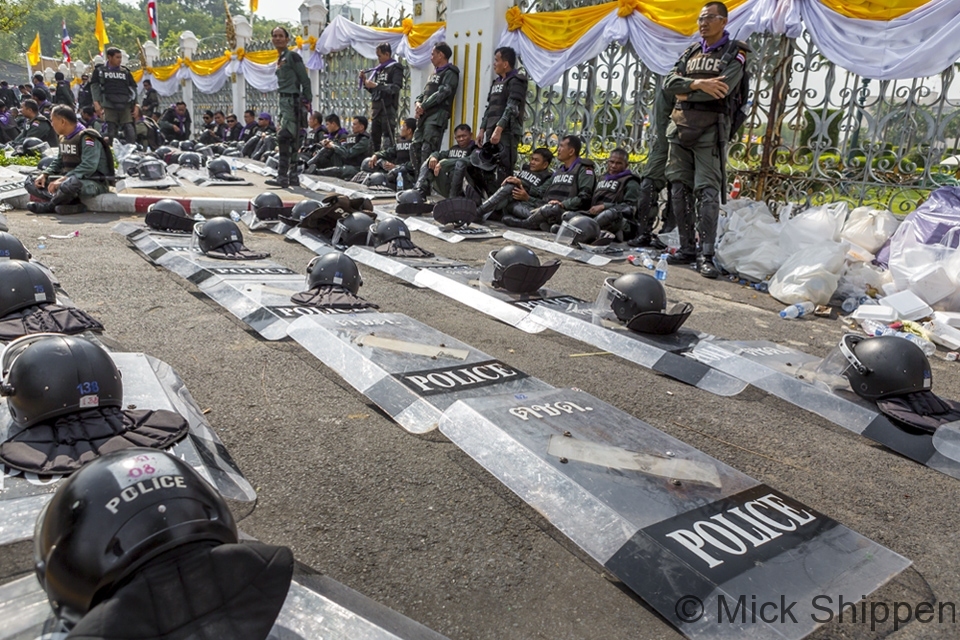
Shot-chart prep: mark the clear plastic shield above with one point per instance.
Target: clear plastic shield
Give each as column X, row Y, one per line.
column 463, row 285
column 11, row 185
column 567, row 234
column 661, row 353
column 603, row 305
column 254, row 223
column 355, row 190
column 399, row 267
column 586, row 257
column 811, row 384
column 148, row 383
column 316, row 607
column 411, row 371
column 135, row 182
column 714, row 536
column 459, row 234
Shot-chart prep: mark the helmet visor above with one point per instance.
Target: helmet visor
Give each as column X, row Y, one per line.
column 829, row 373
column 603, row 306
column 341, row 233
column 567, row 234
column 489, row 273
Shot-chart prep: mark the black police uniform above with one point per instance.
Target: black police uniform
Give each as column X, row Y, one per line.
column 386, row 103
column 506, row 104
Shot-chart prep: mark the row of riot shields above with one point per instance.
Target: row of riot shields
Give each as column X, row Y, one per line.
column 668, row 520
column 315, row 606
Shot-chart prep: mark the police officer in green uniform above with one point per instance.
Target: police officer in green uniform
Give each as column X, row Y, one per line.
column 394, row 160
column 83, row 168
column 63, row 94
column 570, row 188
column 114, row 93
column 443, row 168
column 434, row 105
column 295, row 96
column 700, row 82
column 38, row 126
column 515, row 190
column 343, row 159
column 615, row 195
column 653, row 177
column 502, row 121
column 384, row 83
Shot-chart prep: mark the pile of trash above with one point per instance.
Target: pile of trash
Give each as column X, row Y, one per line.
column 880, row 270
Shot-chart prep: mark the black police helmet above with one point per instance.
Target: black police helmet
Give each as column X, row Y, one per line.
column 23, row 284
column 12, row 248
column 334, row 269
column 217, row 232
column 637, row 293
column 885, row 366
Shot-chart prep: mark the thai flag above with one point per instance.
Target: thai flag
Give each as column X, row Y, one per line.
column 152, row 16
column 65, row 43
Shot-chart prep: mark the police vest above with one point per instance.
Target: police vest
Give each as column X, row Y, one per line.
column 565, row 185
column 42, row 123
column 611, row 191
column 353, row 139
column 115, row 85
column 529, row 178
column 313, row 137
column 403, row 151
column 433, row 83
column 71, row 151
column 702, row 65
column 497, row 100
column 459, row 152
column 390, row 102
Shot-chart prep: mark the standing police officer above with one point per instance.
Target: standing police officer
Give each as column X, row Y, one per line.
column 653, row 177
column 384, row 85
column 700, row 82
column 502, row 121
column 434, row 105
column 295, row 94
column 114, row 93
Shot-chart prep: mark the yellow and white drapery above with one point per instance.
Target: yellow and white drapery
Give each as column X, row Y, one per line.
column 659, row 31
column 412, row 41
column 880, row 39
column 885, row 39
column 209, row 76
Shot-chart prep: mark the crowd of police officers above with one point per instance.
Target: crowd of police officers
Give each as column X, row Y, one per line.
column 688, row 127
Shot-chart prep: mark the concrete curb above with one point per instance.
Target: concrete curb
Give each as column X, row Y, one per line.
column 130, row 204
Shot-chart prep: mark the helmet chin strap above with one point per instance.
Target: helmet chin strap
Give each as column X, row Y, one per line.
column 851, row 357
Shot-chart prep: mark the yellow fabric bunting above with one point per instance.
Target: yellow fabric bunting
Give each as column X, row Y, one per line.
column 311, row 42
column 873, row 9
column 207, row 67
column 416, row 34
column 137, row 76
column 558, row 30
column 267, row 56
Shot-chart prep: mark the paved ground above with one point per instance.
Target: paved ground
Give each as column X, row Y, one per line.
column 413, row 522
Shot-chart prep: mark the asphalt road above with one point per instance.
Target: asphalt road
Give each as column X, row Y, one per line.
column 414, row 523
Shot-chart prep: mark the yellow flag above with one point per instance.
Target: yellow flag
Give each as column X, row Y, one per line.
column 253, row 5
column 33, row 53
column 100, row 30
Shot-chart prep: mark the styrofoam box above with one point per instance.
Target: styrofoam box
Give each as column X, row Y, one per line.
column 932, row 284
column 908, row 305
column 950, row 318
column 877, row 312
column 945, row 334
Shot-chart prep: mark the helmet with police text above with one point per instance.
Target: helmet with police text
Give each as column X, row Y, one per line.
column 580, row 229
column 487, row 157
column 885, row 366
column 23, row 284
column 334, row 269
column 387, row 229
column 352, row 229
column 11, row 248
column 190, row 159
column 216, row 232
column 116, row 514
column 219, row 168
column 516, row 269
column 49, row 375
column 151, row 169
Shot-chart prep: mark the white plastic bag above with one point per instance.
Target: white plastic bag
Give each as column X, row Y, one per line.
column 750, row 245
column 869, row 228
column 811, row 274
column 812, row 227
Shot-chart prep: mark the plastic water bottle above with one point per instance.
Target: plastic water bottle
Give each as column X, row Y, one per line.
column 797, row 310
column 874, row 328
column 762, row 287
column 850, row 304
column 234, row 216
column 661, row 272
column 399, row 182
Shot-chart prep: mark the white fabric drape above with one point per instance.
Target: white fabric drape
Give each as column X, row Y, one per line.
column 341, row 34
column 658, row 47
column 165, row 87
column 921, row 43
column 262, row 77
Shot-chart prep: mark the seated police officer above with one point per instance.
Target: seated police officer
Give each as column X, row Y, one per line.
column 615, row 196
column 443, row 168
column 515, row 190
column 83, row 168
column 37, row 126
column 343, row 160
column 395, row 160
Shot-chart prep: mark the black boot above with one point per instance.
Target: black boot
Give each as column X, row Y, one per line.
column 646, row 214
column 423, row 180
column 706, row 267
column 682, row 204
column 456, row 179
